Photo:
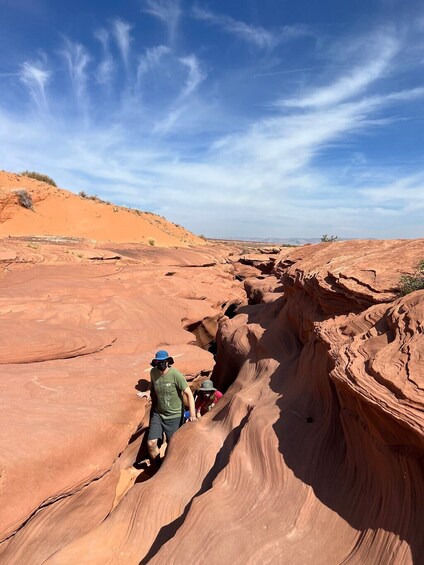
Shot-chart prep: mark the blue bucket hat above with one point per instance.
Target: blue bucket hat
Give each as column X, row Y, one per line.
column 162, row 355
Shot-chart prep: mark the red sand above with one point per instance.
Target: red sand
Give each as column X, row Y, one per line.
column 63, row 213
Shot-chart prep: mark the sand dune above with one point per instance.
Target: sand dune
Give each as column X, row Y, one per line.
column 58, row 212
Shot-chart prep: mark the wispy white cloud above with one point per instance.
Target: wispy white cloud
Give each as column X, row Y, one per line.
column 352, row 83
column 35, row 77
column 195, row 75
column 103, row 36
column 406, row 192
column 106, row 67
column 121, row 31
column 273, row 162
column 77, row 60
column 257, row 35
column 168, row 12
column 151, row 59
column 277, row 166
column 290, row 71
column 253, row 34
column 166, row 124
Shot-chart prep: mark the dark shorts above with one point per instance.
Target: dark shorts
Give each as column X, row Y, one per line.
column 158, row 426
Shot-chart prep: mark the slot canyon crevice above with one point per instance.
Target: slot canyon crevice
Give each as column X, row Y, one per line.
column 314, row 454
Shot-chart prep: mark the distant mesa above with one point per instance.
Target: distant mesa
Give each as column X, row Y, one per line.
column 33, row 207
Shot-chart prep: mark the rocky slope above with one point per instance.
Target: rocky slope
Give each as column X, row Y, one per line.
column 314, row 455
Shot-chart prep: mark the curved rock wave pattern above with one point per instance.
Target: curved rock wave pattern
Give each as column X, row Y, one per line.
column 76, row 343
column 314, row 454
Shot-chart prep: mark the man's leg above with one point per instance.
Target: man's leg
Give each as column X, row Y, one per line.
column 171, row 426
column 155, row 434
column 152, row 446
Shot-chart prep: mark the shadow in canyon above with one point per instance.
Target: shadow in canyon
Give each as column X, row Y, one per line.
column 221, row 461
column 363, row 465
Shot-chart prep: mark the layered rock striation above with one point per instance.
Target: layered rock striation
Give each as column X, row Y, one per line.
column 78, row 328
column 314, row 455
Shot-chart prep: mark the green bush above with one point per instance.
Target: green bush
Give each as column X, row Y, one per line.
column 152, row 241
column 411, row 283
column 327, row 238
column 38, row 176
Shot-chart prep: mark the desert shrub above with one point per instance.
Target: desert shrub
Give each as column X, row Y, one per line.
column 152, row 241
column 38, row 176
column 411, row 283
column 25, row 199
column 94, row 197
column 327, row 238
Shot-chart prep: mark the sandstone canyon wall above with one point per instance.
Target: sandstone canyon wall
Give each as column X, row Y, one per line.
column 78, row 328
column 314, row 455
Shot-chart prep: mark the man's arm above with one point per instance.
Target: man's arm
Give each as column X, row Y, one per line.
column 190, row 398
column 147, row 393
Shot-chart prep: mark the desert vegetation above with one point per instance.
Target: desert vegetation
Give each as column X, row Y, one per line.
column 25, row 199
column 411, row 283
column 327, row 238
column 38, row 176
column 94, row 197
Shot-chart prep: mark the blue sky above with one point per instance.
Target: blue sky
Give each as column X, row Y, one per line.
column 244, row 118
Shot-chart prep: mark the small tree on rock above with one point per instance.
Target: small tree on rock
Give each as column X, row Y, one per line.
column 327, row 238
column 411, row 283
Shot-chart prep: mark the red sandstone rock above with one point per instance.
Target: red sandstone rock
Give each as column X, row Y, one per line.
column 76, row 337
column 314, row 455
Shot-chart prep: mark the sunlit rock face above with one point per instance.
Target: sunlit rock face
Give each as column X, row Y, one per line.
column 79, row 325
column 314, row 455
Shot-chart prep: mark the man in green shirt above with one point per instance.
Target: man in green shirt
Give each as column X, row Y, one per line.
column 168, row 391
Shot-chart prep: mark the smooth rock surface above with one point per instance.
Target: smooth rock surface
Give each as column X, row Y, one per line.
column 314, row 455
column 76, row 339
